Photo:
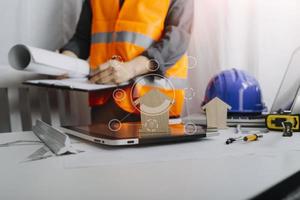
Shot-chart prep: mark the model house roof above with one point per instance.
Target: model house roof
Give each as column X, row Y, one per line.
column 214, row 102
column 155, row 95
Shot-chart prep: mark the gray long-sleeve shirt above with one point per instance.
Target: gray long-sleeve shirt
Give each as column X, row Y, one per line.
column 167, row 51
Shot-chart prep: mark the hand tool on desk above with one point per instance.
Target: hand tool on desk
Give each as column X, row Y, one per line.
column 248, row 138
column 232, row 140
column 252, row 137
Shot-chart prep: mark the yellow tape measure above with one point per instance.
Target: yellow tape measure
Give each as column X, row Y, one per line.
column 274, row 122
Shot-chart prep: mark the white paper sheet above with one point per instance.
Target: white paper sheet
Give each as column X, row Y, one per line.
column 26, row 58
column 81, row 84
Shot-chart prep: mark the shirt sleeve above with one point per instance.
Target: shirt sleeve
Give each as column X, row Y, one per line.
column 81, row 41
column 176, row 37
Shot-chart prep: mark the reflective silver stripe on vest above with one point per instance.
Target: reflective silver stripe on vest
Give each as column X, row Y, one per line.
column 134, row 38
column 130, row 37
column 164, row 83
column 102, row 38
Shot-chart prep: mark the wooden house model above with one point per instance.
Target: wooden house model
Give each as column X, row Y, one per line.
column 154, row 107
column 216, row 113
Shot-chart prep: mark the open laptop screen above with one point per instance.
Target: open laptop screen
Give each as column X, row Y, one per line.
column 289, row 85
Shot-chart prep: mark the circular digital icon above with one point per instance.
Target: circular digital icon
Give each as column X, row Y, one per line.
column 153, row 66
column 151, row 125
column 189, row 93
column 114, row 125
column 119, row 94
column 190, row 128
column 192, row 62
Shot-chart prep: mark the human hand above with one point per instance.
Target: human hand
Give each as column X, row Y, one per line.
column 113, row 72
column 116, row 72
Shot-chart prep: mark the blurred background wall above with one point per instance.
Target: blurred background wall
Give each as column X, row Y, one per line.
column 258, row 36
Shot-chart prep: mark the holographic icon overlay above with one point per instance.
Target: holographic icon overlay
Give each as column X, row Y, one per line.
column 157, row 82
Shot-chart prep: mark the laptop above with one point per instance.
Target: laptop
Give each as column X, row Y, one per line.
column 128, row 134
column 287, row 98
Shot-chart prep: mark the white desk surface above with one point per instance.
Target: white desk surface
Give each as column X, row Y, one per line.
column 206, row 169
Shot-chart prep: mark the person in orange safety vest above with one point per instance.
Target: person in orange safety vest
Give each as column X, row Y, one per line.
column 141, row 41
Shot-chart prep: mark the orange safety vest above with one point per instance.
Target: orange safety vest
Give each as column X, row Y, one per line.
column 127, row 33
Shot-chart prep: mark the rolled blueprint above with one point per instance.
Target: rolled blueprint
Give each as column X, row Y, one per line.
column 40, row 61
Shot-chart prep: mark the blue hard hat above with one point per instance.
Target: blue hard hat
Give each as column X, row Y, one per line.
column 238, row 89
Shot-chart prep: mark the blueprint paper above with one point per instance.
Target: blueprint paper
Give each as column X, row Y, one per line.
column 40, row 61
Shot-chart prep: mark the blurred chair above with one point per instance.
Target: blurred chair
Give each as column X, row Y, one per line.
column 5, row 121
column 21, row 107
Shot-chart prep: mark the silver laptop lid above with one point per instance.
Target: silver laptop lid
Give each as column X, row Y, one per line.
column 289, row 86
